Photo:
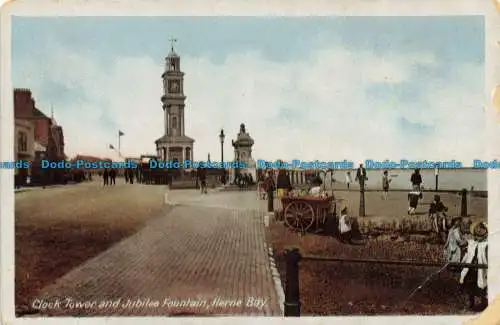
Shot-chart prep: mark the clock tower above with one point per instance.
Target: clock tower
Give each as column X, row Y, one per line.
column 174, row 145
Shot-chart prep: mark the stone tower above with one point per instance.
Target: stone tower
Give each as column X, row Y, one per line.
column 243, row 151
column 174, row 144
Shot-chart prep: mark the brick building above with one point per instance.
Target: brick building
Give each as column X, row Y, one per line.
column 48, row 137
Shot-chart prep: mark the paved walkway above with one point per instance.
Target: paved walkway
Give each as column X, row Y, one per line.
column 195, row 259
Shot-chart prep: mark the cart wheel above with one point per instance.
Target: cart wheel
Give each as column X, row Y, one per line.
column 299, row 216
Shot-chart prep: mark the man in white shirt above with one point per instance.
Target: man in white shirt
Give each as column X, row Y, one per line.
column 316, row 190
column 475, row 280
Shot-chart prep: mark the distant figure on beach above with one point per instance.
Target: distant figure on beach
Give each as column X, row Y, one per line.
column 125, row 172
column 361, row 176
column 437, row 212
column 416, row 180
column 386, row 180
column 348, row 179
column 105, row 177
column 112, row 176
column 345, row 227
column 413, row 198
column 454, row 242
column 475, row 281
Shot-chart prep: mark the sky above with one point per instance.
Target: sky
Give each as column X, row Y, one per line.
column 307, row 88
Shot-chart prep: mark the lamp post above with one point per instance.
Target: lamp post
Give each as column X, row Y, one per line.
column 222, row 136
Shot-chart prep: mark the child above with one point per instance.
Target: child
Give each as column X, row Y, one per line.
column 437, row 212
column 345, row 228
column 348, row 179
column 454, row 242
column 413, row 198
column 385, row 184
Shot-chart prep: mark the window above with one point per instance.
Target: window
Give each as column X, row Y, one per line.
column 22, row 142
column 174, row 122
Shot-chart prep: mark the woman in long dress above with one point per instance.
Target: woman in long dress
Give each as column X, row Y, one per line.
column 454, row 242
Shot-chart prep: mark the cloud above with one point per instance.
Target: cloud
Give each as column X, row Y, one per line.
column 315, row 108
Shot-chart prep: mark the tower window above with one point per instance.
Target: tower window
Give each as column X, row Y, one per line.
column 174, row 122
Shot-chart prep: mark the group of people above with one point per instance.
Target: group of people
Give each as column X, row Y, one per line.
column 471, row 250
column 243, row 180
column 109, row 177
column 266, row 182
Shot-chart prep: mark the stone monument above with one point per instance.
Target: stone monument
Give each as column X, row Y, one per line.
column 243, row 153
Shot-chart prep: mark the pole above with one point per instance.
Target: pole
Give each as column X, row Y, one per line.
column 119, row 140
column 270, row 199
column 292, row 288
column 361, row 179
column 463, row 210
column 436, row 173
column 222, row 160
column 362, row 199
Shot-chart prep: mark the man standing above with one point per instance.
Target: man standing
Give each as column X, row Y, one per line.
column 105, row 177
column 361, row 175
column 130, row 175
column 112, row 175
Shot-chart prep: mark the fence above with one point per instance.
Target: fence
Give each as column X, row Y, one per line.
column 292, row 259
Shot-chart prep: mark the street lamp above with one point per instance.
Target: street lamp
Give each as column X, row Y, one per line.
column 222, row 136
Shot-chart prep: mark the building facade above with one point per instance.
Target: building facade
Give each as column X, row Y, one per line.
column 24, row 147
column 174, row 144
column 47, row 136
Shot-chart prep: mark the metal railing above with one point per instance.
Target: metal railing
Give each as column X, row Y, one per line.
column 293, row 257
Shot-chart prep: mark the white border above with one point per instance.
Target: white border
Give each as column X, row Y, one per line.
column 239, row 8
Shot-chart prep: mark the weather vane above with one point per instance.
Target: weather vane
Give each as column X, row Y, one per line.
column 172, row 41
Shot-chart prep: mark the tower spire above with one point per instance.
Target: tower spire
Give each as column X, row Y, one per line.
column 52, row 111
column 172, row 42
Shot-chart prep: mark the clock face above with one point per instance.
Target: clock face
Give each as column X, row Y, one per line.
column 174, row 86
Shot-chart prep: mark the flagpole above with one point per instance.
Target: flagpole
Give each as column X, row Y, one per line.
column 119, row 137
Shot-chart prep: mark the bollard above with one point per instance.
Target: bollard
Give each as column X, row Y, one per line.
column 270, row 200
column 463, row 210
column 292, row 291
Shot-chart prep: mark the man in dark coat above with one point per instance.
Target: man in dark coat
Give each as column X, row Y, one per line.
column 105, row 177
column 130, row 175
column 112, row 176
column 361, row 175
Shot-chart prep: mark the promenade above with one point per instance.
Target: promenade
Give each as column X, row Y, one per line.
column 106, row 246
column 202, row 251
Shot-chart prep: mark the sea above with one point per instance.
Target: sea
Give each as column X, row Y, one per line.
column 449, row 179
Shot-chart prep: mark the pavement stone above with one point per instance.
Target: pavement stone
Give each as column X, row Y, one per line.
column 179, row 263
